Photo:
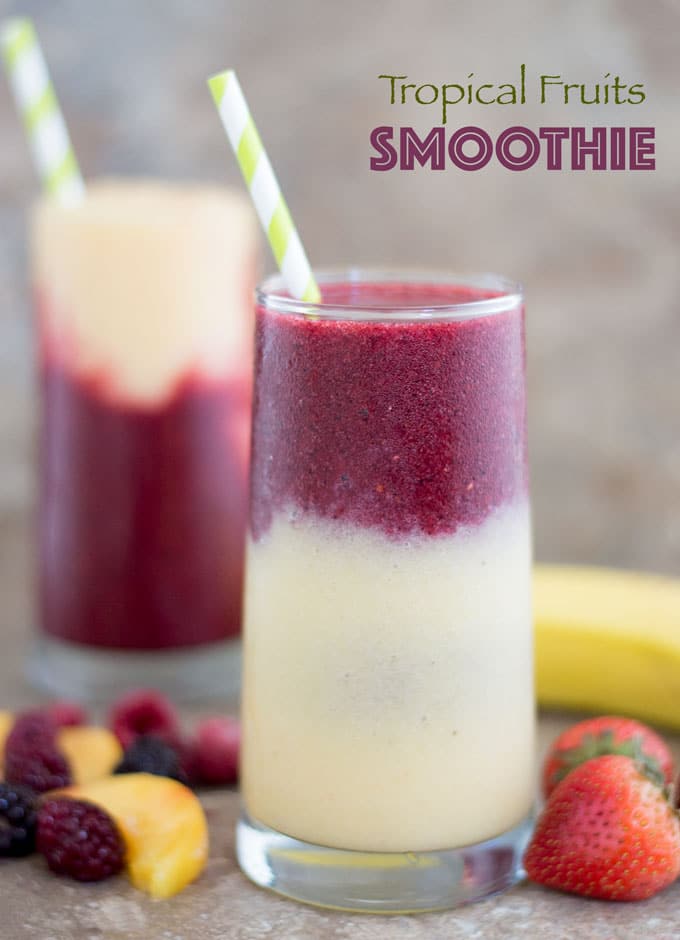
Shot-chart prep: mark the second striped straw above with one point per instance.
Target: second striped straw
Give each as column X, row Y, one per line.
column 264, row 188
column 37, row 103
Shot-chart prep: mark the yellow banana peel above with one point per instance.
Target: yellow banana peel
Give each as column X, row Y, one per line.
column 608, row 641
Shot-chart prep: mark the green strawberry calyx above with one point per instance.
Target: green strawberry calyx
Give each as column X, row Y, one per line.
column 595, row 745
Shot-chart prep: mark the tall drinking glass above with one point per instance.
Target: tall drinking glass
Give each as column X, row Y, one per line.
column 144, row 303
column 388, row 709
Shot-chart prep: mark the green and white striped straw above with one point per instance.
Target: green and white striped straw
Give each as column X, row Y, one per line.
column 37, row 104
column 264, row 189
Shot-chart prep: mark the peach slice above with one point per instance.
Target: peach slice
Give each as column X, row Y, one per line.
column 92, row 753
column 6, row 722
column 162, row 823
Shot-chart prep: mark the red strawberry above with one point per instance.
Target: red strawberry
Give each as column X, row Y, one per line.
column 607, row 735
column 607, row 831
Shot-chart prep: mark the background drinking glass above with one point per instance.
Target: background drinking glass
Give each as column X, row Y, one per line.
column 143, row 299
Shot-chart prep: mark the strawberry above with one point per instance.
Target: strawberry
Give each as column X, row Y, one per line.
column 606, row 831
column 606, row 735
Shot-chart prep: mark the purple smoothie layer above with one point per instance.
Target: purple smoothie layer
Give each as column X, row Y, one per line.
column 401, row 426
column 143, row 513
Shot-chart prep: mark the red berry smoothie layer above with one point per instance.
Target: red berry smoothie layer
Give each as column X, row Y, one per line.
column 143, row 514
column 404, row 427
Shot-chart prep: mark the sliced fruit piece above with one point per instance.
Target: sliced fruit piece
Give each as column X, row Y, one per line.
column 608, row 641
column 6, row 722
column 91, row 752
column 163, row 825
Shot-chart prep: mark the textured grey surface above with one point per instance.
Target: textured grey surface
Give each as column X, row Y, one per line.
column 598, row 252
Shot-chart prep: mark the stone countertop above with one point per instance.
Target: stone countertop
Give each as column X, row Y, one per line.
column 223, row 905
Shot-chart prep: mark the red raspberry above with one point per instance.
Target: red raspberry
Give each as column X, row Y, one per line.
column 31, row 728
column 79, row 840
column 218, row 742
column 144, row 711
column 32, row 758
column 67, row 714
column 40, row 770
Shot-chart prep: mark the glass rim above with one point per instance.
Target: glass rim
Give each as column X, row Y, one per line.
column 271, row 294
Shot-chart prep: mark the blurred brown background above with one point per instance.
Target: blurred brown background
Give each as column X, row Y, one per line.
column 598, row 252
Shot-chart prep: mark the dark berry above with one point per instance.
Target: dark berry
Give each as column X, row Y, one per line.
column 18, row 817
column 32, row 758
column 79, row 840
column 188, row 762
column 143, row 712
column 149, row 754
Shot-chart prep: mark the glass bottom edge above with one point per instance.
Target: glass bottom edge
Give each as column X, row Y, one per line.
column 94, row 674
column 380, row 882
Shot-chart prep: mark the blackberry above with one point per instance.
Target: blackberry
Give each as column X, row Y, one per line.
column 18, row 817
column 149, row 754
column 80, row 840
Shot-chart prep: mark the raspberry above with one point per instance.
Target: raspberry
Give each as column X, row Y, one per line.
column 67, row 714
column 32, row 758
column 149, row 754
column 17, row 821
column 31, row 728
column 141, row 712
column 40, row 770
column 218, row 742
column 80, row 840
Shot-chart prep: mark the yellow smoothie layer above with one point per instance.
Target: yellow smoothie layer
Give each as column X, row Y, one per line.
column 388, row 689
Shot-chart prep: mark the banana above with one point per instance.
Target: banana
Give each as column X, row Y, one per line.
column 608, row 641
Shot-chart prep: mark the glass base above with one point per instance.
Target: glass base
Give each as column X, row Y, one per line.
column 381, row 883
column 94, row 674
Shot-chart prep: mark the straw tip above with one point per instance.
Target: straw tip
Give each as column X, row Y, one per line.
column 218, row 84
column 14, row 27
